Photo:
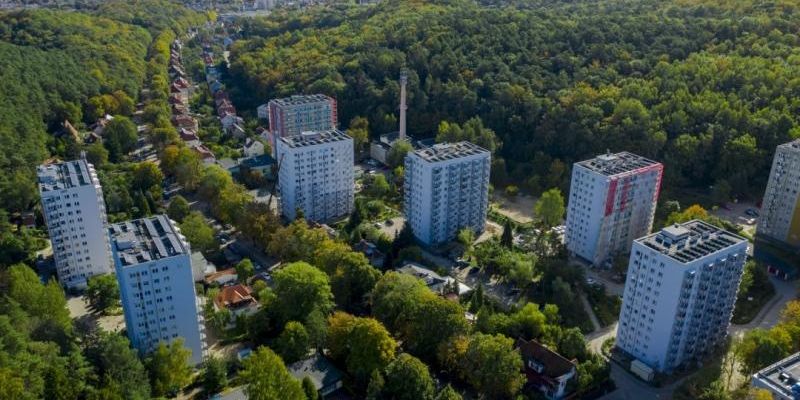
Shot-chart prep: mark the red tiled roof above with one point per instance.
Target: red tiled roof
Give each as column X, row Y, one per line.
column 212, row 277
column 234, row 296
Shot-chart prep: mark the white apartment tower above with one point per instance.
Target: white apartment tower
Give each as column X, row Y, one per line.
column 316, row 175
column 612, row 201
column 75, row 213
column 446, row 189
column 780, row 209
column 680, row 292
column 154, row 270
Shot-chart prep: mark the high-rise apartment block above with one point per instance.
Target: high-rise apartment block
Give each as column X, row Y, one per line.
column 75, row 213
column 446, row 189
column 679, row 294
column 154, row 270
column 294, row 115
column 316, row 175
column 780, row 208
column 612, row 201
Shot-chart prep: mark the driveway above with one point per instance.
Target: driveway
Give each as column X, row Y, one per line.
column 631, row 388
column 770, row 315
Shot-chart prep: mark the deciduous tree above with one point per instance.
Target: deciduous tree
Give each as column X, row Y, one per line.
column 265, row 378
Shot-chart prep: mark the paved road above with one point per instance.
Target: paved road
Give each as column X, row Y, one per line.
column 630, row 388
column 595, row 339
column 771, row 313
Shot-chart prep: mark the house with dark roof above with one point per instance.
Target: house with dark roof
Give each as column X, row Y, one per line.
column 545, row 370
column 326, row 377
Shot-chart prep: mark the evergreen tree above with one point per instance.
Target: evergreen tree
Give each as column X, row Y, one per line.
column 507, row 239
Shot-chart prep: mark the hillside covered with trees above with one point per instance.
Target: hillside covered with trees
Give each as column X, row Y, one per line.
column 73, row 66
column 707, row 87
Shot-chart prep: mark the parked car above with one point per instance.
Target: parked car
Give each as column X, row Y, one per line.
column 751, row 212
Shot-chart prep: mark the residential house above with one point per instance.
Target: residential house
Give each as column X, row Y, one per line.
column 28, row 219
column 236, row 130
column 220, row 96
column 326, row 377
column 263, row 133
column 205, row 154
column 252, row 148
column 92, row 137
column 184, row 121
column 226, row 277
column 182, row 83
column 176, row 70
column 225, row 106
column 545, row 370
column 238, row 299
column 189, row 137
column 100, row 126
column 439, row 284
column 176, row 98
column 215, row 86
column 370, row 250
column 263, row 164
column 227, row 120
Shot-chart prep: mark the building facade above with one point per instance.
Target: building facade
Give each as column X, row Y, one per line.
column 154, row 270
column 446, row 189
column 316, row 175
column 75, row 213
column 612, row 201
column 679, row 295
column 780, row 208
column 294, row 115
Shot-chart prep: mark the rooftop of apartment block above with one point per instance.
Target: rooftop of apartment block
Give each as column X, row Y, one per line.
column 793, row 145
column 690, row 241
column 782, row 376
column 144, row 240
column 314, row 138
column 64, row 175
column 618, row 163
column 449, row 151
column 301, row 99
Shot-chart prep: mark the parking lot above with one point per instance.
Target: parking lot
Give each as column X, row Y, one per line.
column 743, row 214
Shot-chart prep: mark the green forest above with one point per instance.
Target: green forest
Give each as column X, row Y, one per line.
column 64, row 65
column 707, row 87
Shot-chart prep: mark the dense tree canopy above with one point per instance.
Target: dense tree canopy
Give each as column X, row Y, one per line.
column 707, row 87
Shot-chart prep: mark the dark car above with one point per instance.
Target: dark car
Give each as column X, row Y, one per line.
column 751, row 212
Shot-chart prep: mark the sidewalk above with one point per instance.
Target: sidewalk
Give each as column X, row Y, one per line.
column 588, row 308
